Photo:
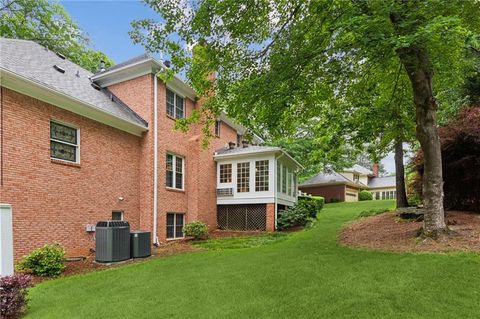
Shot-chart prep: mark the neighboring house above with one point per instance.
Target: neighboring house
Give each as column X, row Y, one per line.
column 78, row 147
column 345, row 186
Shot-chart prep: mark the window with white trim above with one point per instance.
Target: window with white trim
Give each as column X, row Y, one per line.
column 243, row 177
column 175, row 223
column 279, row 177
column 64, row 142
column 261, row 176
column 175, row 105
column 225, row 173
column 284, row 179
column 174, row 171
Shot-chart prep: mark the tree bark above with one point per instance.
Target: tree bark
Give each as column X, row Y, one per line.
column 400, row 175
column 417, row 64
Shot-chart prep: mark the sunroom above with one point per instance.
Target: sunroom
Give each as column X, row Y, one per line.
column 253, row 184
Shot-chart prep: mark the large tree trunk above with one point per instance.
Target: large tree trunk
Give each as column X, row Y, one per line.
column 400, row 175
column 417, row 64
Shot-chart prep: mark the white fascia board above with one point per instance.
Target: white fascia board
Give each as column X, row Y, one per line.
column 140, row 68
column 245, row 154
column 46, row 94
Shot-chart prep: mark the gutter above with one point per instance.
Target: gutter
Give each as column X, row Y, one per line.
column 155, row 160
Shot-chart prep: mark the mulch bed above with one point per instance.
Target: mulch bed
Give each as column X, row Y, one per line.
column 168, row 249
column 387, row 232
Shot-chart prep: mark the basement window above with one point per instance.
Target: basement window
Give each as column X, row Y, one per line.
column 64, row 142
column 117, row 215
column 175, row 223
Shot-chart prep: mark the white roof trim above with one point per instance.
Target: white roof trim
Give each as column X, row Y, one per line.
column 45, row 93
column 272, row 150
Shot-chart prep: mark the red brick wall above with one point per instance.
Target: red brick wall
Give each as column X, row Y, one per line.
column 328, row 192
column 270, row 217
column 51, row 201
column 198, row 200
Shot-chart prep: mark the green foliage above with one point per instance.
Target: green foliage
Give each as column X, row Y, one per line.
column 415, row 199
column 47, row 23
column 372, row 212
column 297, row 215
column 46, row 261
column 313, row 204
column 242, row 242
column 365, row 195
column 196, row 229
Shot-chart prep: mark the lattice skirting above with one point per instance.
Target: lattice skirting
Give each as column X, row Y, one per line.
column 242, row 217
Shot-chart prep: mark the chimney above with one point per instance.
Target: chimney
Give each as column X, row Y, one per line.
column 375, row 169
column 244, row 143
column 231, row 145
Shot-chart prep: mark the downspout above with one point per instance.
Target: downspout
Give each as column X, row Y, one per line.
column 155, row 161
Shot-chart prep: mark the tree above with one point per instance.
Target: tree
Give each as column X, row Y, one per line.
column 50, row 25
column 282, row 62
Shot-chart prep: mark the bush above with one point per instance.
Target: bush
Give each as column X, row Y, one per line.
column 297, row 215
column 313, row 204
column 44, row 261
column 365, row 195
column 196, row 229
column 13, row 292
column 414, row 200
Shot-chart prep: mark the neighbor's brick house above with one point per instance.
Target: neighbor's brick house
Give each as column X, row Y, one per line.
column 78, row 147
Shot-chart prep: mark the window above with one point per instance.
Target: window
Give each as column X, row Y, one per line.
column 377, row 195
column 117, row 215
column 225, row 173
column 294, row 184
column 261, row 176
column 174, row 173
column 217, row 128
column 175, row 105
column 279, row 177
column 356, row 177
column 64, row 142
column 284, row 179
column 243, row 177
column 175, row 222
column 289, row 183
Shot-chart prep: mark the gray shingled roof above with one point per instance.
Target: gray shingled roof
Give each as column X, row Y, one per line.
column 326, row 178
column 377, row 182
column 249, row 149
column 359, row 169
column 34, row 62
column 134, row 60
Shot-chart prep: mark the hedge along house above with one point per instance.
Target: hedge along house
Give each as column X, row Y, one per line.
column 78, row 147
column 253, row 184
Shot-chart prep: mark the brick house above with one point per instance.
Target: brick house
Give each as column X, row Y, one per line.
column 346, row 185
column 78, row 147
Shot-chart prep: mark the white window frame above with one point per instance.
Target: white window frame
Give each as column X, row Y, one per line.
column 220, row 173
column 174, row 167
column 174, row 226
column 175, row 94
column 266, row 177
column 218, row 125
column 77, row 146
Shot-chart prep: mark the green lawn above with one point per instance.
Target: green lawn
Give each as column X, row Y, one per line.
column 306, row 275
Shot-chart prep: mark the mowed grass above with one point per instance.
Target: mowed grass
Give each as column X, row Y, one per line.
column 305, row 275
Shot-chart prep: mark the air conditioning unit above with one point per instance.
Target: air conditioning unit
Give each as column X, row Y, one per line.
column 112, row 241
column 140, row 244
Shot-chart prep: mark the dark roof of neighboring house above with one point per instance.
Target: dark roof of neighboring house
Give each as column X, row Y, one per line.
column 380, row 182
column 34, row 62
column 359, row 169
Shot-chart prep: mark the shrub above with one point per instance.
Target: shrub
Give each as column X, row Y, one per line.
column 297, row 215
column 414, row 200
column 13, row 292
column 365, row 195
column 44, row 261
column 313, row 204
column 196, row 229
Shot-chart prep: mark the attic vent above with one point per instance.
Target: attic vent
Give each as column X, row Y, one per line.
column 61, row 56
column 59, row 68
column 95, row 86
